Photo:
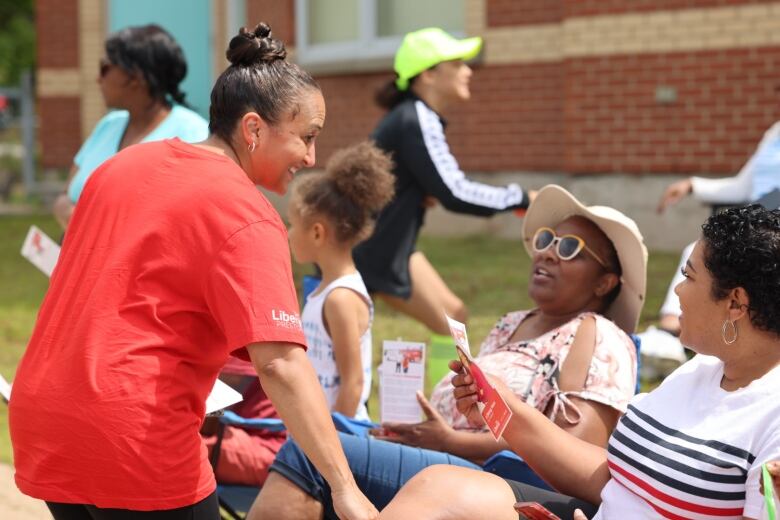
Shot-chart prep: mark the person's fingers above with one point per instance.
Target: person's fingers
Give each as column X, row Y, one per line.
column 462, row 391
column 456, row 366
column 397, row 428
column 429, row 411
column 391, row 438
column 465, row 404
column 579, row 515
column 666, row 200
column 463, row 379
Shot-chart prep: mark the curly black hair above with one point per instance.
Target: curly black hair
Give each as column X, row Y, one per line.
column 742, row 249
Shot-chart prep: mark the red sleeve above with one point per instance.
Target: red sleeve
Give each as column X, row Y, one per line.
column 249, row 288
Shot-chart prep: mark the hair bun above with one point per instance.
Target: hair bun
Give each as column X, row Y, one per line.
column 253, row 47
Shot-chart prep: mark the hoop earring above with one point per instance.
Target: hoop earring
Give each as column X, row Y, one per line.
column 251, row 147
column 723, row 332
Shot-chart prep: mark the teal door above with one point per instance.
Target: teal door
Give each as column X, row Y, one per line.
column 189, row 21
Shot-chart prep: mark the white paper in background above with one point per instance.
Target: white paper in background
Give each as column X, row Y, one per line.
column 221, row 396
column 41, row 250
column 401, row 376
column 5, row 389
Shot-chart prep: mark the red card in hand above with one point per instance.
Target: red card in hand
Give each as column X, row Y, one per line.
column 491, row 405
column 535, row 511
column 496, row 413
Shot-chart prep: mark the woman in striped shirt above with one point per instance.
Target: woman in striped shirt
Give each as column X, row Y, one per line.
column 690, row 449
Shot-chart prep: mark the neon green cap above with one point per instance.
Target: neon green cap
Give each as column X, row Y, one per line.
column 421, row 50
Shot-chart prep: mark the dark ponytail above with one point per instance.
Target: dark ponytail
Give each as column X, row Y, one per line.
column 258, row 79
column 149, row 50
column 388, row 96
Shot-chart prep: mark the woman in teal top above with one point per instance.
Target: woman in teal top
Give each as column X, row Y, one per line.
column 139, row 77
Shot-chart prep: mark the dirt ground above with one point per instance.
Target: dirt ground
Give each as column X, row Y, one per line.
column 14, row 505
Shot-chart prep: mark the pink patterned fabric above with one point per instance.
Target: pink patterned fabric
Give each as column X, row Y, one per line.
column 530, row 368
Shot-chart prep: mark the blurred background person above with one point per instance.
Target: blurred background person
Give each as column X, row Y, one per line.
column 432, row 79
column 139, row 79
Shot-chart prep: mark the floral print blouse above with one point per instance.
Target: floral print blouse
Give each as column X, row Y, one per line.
column 531, row 368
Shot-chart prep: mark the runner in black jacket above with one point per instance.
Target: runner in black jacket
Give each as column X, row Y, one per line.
column 432, row 77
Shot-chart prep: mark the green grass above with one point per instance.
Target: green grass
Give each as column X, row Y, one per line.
column 489, row 274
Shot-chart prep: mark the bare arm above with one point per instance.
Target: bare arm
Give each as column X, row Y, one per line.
column 571, row 465
column 63, row 207
column 346, row 318
column 291, row 383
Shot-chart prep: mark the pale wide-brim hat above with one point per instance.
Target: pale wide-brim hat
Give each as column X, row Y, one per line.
column 554, row 204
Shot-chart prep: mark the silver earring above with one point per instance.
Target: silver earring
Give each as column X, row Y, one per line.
column 723, row 332
column 251, row 147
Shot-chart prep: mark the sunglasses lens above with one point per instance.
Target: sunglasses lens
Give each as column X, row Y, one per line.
column 568, row 248
column 543, row 239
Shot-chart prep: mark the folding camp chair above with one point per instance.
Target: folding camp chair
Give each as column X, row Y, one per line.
column 235, row 500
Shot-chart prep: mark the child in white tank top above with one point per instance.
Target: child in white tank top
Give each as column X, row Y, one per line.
column 329, row 213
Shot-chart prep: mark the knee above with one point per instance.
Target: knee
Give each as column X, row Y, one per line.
column 430, row 484
column 423, row 496
column 281, row 498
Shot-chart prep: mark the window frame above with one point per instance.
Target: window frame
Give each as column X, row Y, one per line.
column 369, row 52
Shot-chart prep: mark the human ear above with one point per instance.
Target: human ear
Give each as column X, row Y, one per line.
column 606, row 283
column 252, row 128
column 318, row 232
column 739, row 303
column 426, row 77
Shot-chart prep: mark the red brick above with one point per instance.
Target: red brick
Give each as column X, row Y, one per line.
column 502, row 13
column 276, row 13
column 59, row 143
column 57, row 29
column 602, row 7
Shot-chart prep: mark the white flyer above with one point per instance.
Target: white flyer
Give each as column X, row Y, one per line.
column 401, row 376
column 221, row 396
column 41, row 250
column 5, row 389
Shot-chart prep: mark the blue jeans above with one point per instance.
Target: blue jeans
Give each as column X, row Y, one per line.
column 380, row 468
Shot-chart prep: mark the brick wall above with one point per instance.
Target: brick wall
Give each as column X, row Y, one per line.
column 599, row 7
column 56, row 24
column 563, row 86
column 502, row 13
column 580, row 96
column 725, row 101
column 276, row 13
column 58, row 130
column 351, row 112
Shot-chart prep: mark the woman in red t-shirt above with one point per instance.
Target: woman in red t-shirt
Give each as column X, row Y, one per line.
column 173, row 261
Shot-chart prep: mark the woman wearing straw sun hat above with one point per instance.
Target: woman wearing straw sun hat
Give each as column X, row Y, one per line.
column 432, row 79
column 695, row 446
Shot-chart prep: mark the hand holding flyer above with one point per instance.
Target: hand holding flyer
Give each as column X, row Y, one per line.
column 41, row 250
column 491, row 405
